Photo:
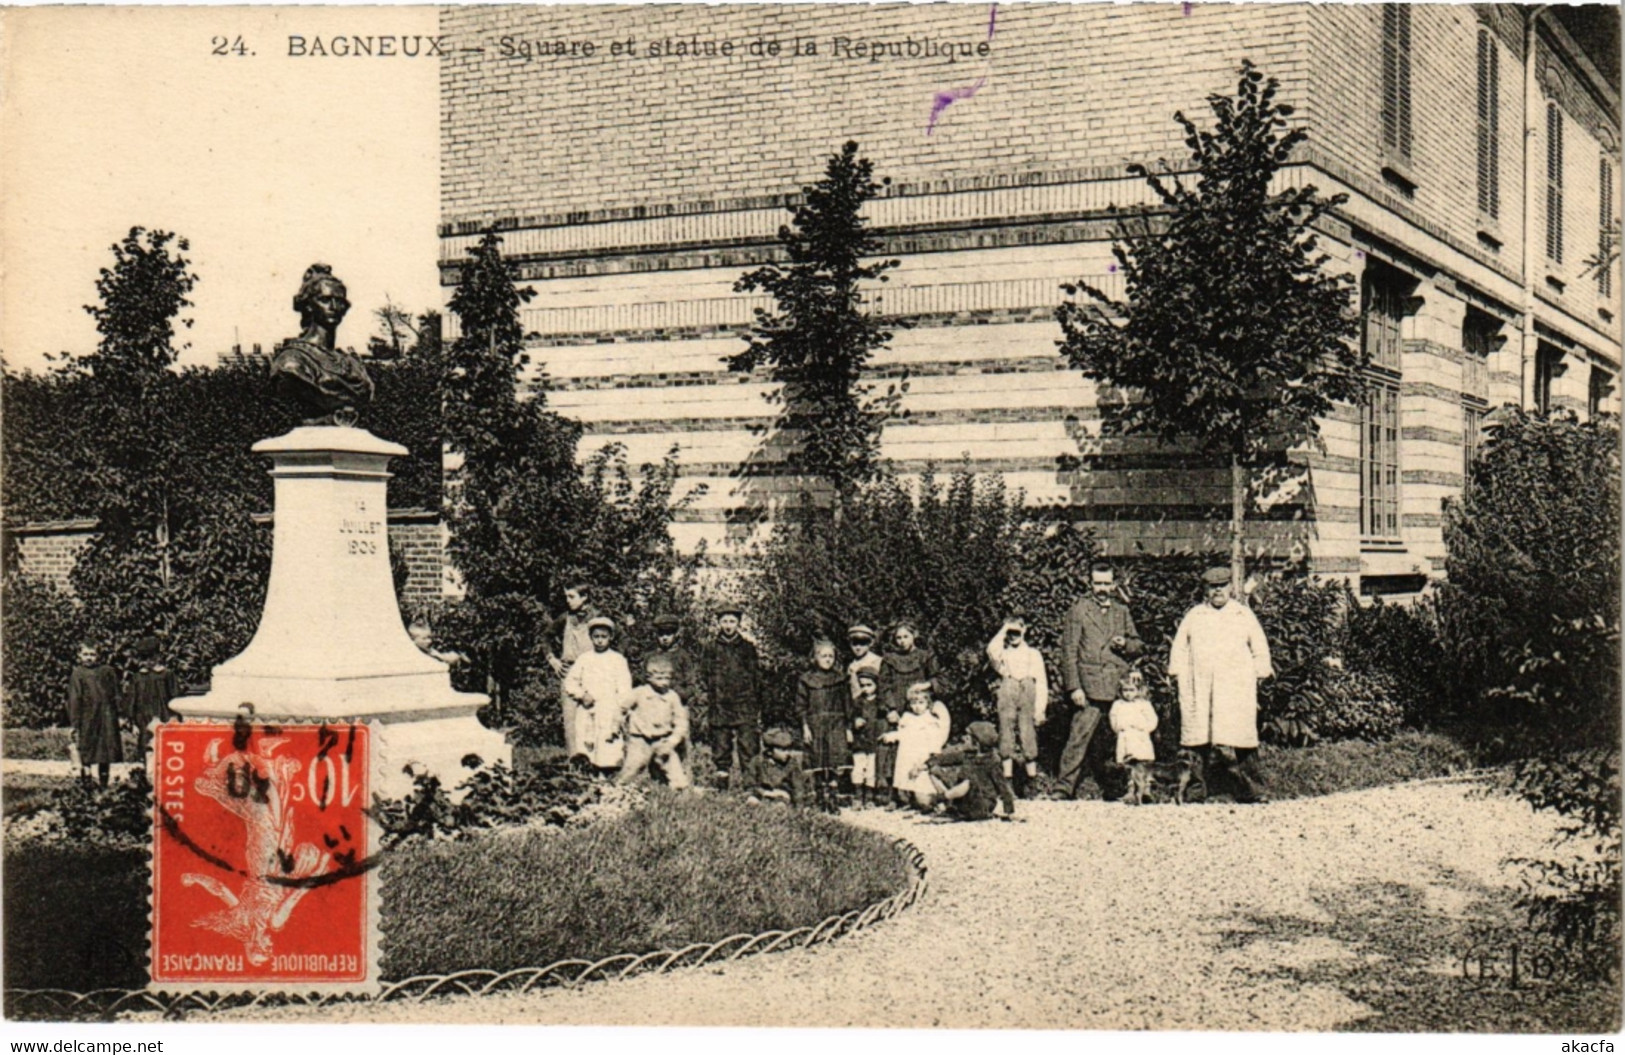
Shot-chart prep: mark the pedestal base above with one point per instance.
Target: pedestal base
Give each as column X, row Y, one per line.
column 436, row 740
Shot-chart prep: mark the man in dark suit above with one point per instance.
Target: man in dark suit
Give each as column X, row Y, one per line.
column 1098, row 644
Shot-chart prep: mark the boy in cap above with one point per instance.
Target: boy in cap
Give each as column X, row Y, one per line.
column 685, row 667
column 147, row 695
column 599, row 685
column 731, row 678
column 776, row 773
column 970, row 778
column 868, row 723
column 1022, row 694
column 861, row 640
column 656, row 727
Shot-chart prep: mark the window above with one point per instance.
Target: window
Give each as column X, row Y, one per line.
column 1489, row 126
column 1554, row 183
column 1606, row 236
column 1548, row 368
column 1479, row 332
column 1598, row 392
column 1396, row 79
column 1383, row 297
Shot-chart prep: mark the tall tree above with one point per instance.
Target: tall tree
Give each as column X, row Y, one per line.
column 523, row 515
column 1231, row 330
column 820, row 336
column 141, row 298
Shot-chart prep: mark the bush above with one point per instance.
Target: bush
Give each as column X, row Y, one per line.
column 40, row 630
column 1402, row 644
column 1534, row 566
column 1350, row 705
column 684, row 869
column 1532, row 617
column 943, row 556
column 494, row 796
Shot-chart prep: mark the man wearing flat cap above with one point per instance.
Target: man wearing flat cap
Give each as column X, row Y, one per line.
column 1218, row 657
column 731, row 678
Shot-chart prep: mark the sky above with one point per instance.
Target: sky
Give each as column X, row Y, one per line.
column 112, row 118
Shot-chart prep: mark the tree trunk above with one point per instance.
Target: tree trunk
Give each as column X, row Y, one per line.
column 1238, row 517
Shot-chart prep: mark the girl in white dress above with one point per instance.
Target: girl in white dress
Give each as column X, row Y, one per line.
column 920, row 733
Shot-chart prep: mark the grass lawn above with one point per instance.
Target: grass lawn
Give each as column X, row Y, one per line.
column 1349, row 765
column 680, row 870
column 683, row 869
column 75, row 917
column 51, row 745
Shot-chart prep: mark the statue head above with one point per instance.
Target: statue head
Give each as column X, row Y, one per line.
column 322, row 298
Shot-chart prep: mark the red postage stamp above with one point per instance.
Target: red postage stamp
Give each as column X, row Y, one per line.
column 261, row 864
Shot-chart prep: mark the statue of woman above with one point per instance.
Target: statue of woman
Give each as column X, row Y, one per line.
column 328, row 383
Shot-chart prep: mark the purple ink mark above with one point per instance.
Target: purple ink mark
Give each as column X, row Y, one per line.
column 1187, row 8
column 944, row 99
column 1111, row 269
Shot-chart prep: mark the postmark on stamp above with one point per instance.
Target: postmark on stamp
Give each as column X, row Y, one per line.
column 262, row 875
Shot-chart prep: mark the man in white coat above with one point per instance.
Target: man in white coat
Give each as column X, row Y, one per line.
column 1219, row 656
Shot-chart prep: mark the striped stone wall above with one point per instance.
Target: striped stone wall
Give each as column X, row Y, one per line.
column 634, row 193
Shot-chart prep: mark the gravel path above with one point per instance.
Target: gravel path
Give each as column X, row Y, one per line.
column 1098, row 915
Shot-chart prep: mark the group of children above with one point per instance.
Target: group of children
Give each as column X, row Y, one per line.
column 876, row 723
column 99, row 699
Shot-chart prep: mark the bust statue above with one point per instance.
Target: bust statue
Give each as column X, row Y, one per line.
column 329, row 384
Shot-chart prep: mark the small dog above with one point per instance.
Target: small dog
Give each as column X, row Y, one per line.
column 1139, row 784
column 1190, row 786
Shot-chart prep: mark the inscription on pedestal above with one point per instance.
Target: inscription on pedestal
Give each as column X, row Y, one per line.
column 360, row 547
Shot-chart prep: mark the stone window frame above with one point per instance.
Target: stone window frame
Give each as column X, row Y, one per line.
column 1384, row 296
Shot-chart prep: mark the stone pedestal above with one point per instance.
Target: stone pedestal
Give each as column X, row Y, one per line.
column 331, row 645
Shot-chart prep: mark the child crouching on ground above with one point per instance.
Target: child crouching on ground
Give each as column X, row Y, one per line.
column 920, row 734
column 776, row 773
column 970, row 779
column 656, row 727
column 1133, row 720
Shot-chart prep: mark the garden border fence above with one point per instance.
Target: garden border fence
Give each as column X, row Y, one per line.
column 64, row 1005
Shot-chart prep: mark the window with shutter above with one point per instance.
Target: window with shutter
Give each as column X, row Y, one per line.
column 1396, row 79
column 1554, row 183
column 1489, row 126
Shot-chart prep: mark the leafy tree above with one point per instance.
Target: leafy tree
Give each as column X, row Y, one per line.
column 523, row 514
column 1531, row 617
column 820, row 337
column 1231, row 331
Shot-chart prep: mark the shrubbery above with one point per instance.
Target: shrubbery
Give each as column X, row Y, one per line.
column 943, row 555
column 1533, row 601
column 39, row 638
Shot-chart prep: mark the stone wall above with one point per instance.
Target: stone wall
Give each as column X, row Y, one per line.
column 49, row 551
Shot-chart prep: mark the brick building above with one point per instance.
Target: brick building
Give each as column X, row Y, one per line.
column 633, row 191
